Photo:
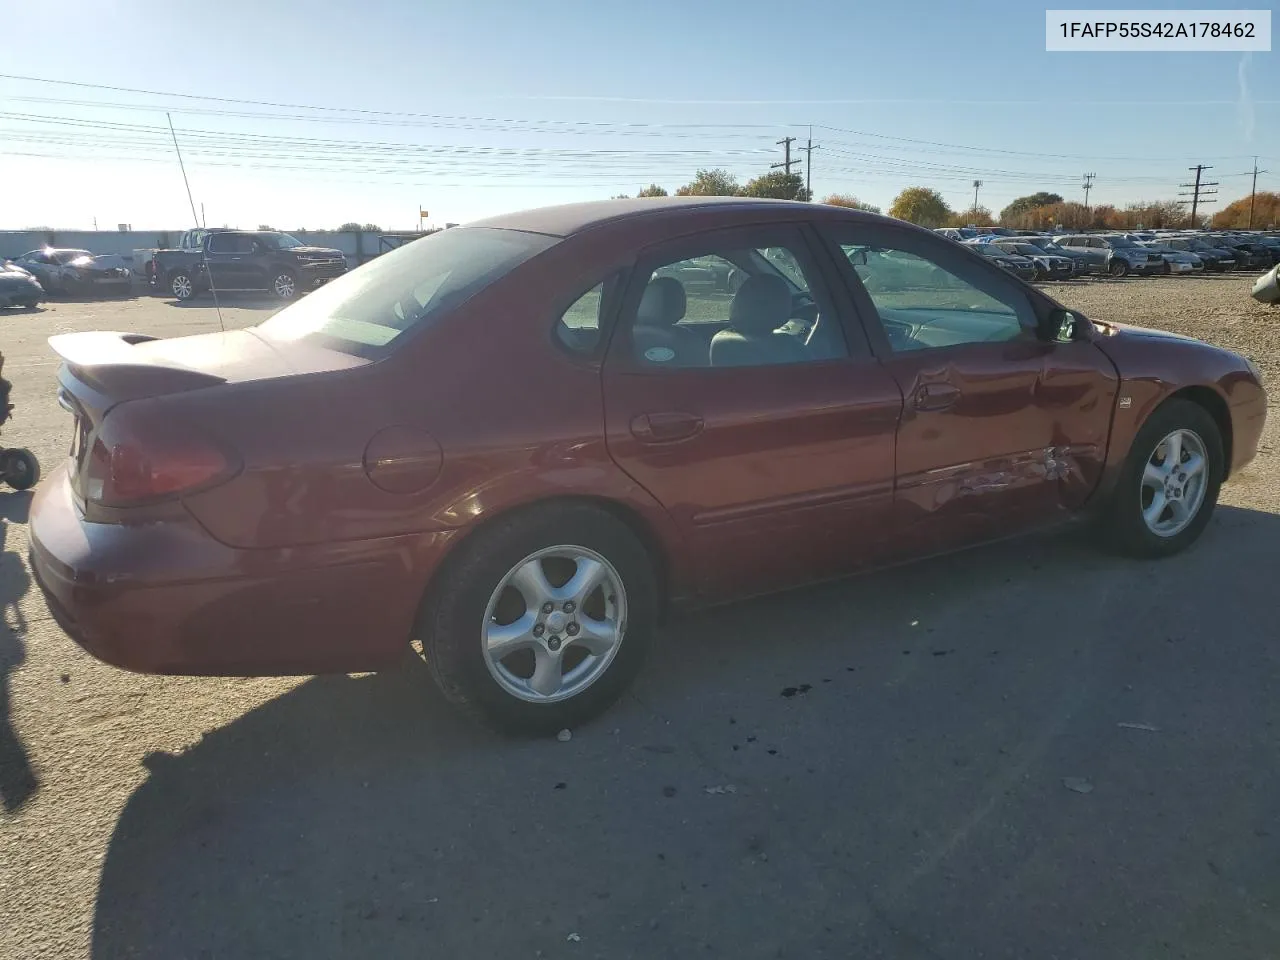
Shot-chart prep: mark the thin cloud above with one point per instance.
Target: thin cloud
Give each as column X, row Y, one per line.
column 1245, row 105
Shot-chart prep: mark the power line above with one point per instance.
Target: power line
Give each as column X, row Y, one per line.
column 1088, row 185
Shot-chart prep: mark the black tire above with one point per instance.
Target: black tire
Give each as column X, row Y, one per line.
column 453, row 613
column 181, row 285
column 19, row 468
column 31, row 304
column 1122, row 524
column 1118, row 267
column 284, row 285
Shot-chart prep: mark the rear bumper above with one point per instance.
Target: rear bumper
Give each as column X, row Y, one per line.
column 168, row 598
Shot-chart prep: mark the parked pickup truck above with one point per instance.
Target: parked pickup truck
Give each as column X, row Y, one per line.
column 243, row 260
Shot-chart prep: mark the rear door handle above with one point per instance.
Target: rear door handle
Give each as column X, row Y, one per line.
column 665, row 427
column 935, row 396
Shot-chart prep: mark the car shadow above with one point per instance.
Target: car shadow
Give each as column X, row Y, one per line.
column 246, row 300
column 89, row 297
column 361, row 816
column 18, row 783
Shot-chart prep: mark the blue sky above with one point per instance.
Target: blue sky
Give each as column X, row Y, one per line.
column 477, row 107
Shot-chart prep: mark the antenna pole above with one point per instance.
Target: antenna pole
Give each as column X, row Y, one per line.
column 212, row 289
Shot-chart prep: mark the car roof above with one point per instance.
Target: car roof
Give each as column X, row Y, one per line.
column 571, row 218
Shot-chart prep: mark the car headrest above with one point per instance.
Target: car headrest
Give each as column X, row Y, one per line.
column 663, row 303
column 761, row 305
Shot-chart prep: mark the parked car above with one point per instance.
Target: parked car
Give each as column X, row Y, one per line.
column 1019, row 266
column 959, row 234
column 71, row 272
column 1116, row 255
column 1248, row 255
column 18, row 288
column 1175, row 261
column 184, row 258
column 1081, row 263
column 1214, row 258
column 1047, row 266
column 248, row 260
column 521, row 443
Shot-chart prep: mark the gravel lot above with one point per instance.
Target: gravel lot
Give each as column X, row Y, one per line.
column 908, row 799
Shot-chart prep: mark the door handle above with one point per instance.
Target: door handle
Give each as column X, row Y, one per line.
column 665, row 427
column 935, row 396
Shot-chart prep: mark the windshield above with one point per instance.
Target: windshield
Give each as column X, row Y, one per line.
column 1120, row 241
column 366, row 310
column 1026, row 249
column 283, row 241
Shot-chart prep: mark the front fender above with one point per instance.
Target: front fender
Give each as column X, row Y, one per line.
column 1155, row 366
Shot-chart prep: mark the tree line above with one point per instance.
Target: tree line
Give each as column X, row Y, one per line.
column 1035, row 211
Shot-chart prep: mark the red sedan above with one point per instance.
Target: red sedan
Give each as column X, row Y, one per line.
column 522, row 441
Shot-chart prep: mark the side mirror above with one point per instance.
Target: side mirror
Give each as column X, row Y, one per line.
column 1060, row 326
column 859, row 258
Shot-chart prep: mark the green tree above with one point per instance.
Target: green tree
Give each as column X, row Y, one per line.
column 1017, row 211
column 652, row 190
column 777, row 185
column 921, row 205
column 710, row 183
column 850, row 201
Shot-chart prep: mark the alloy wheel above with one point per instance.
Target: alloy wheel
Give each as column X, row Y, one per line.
column 554, row 624
column 284, row 286
column 181, row 286
column 1174, row 483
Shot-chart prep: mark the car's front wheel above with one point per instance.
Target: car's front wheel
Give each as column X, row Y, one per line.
column 1118, row 267
column 1169, row 484
column 542, row 620
column 285, row 285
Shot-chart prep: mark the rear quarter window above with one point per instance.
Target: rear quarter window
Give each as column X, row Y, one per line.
column 366, row 311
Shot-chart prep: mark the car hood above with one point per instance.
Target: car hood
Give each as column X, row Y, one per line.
column 11, row 278
column 1127, row 331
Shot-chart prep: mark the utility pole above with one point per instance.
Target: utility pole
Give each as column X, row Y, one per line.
column 808, row 149
column 785, row 143
column 1254, row 190
column 976, row 185
column 1088, row 185
column 1198, row 191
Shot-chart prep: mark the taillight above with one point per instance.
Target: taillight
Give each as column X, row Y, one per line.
column 140, row 456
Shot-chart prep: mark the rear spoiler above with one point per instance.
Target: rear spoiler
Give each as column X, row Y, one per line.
column 108, row 363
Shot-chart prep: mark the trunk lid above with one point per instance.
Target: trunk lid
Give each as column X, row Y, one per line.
column 103, row 369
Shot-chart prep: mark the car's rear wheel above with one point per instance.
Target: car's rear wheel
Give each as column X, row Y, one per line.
column 542, row 620
column 284, row 285
column 1118, row 267
column 182, row 286
column 1169, row 484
